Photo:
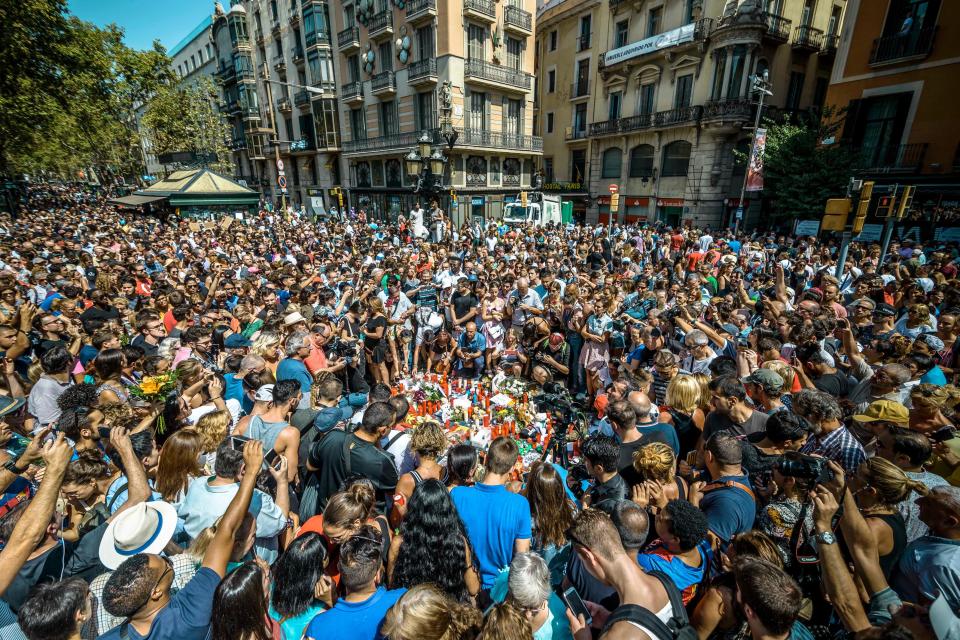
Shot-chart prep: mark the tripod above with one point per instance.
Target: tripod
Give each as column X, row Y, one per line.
column 556, row 448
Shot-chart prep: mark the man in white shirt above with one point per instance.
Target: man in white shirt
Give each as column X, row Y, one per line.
column 523, row 302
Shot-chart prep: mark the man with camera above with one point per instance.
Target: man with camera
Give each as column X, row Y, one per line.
column 552, row 354
column 523, row 303
column 470, row 352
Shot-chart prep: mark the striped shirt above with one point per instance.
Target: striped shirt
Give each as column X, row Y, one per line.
column 840, row 446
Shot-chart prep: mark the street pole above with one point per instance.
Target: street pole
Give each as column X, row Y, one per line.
column 276, row 134
column 761, row 86
column 887, row 232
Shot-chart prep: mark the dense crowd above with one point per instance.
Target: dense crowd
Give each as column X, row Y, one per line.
column 208, row 432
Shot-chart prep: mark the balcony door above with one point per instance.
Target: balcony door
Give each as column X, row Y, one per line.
column 583, row 76
column 476, row 42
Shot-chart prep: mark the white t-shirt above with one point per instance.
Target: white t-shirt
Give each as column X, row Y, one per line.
column 399, row 449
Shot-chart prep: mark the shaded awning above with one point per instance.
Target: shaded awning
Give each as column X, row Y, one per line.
column 136, row 201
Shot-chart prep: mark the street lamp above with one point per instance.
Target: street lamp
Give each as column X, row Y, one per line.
column 761, row 85
column 427, row 166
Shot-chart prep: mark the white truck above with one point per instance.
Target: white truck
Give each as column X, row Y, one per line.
column 540, row 210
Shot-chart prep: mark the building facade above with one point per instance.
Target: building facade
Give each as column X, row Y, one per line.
column 655, row 97
column 405, row 65
column 275, row 66
column 897, row 67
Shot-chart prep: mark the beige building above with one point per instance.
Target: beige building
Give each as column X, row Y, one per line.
column 457, row 67
column 275, row 68
column 654, row 96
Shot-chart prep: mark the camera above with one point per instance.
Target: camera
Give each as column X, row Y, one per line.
column 812, row 469
column 349, row 351
column 514, row 301
column 557, row 401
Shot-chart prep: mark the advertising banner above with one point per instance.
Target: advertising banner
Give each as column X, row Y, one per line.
column 755, row 169
column 648, row 45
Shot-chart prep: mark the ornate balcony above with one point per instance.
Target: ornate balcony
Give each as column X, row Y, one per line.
column 517, row 21
column 348, row 40
column 732, row 109
column 383, row 84
column 284, row 106
column 807, row 38
column 302, row 98
column 298, row 56
column 394, row 141
column 294, row 18
column 904, row 158
column 497, row 77
column 279, row 64
column 778, row 28
column 419, row 11
column 659, row 120
column 352, row 92
column 381, row 25
column 480, row 9
column 916, row 44
column 830, row 43
column 422, row 72
column 500, row 140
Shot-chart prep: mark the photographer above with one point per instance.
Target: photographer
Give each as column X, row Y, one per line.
column 553, row 354
column 399, row 310
column 470, row 352
column 523, row 303
column 347, row 346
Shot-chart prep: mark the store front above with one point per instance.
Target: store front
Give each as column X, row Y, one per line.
column 670, row 211
column 633, row 210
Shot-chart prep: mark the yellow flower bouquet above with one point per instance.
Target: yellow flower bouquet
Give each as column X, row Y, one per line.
column 156, row 390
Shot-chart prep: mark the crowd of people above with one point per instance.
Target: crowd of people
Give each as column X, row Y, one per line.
column 768, row 445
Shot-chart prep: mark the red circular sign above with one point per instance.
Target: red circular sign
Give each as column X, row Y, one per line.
column 614, row 188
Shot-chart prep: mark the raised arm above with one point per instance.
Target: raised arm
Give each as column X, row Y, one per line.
column 218, row 553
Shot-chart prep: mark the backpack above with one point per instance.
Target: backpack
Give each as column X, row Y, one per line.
column 679, row 627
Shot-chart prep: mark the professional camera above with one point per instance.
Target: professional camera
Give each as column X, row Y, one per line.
column 811, row 469
column 348, row 351
column 557, row 401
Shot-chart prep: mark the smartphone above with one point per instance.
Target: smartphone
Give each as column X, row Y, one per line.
column 575, row 604
column 272, row 459
column 692, row 458
column 237, row 442
column 943, row 434
column 16, row 445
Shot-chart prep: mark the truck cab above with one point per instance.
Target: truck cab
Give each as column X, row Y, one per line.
column 540, row 210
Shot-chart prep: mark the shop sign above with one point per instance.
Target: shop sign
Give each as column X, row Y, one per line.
column 670, row 202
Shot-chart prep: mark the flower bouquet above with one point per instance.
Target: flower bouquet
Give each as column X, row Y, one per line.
column 156, row 390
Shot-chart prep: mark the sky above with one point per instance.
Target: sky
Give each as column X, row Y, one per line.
column 144, row 21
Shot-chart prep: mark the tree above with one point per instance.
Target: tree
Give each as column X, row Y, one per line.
column 186, row 118
column 799, row 172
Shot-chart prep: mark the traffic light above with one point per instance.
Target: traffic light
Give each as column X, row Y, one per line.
column 523, row 199
column 885, row 206
column 835, row 214
column 863, row 206
column 905, row 201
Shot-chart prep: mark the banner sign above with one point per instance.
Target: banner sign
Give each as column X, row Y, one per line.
column 648, row 45
column 755, row 170
column 316, row 203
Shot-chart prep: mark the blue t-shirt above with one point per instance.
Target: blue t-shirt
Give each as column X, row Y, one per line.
column 729, row 510
column 234, row 391
column 494, row 519
column 187, row 617
column 656, row 557
column 354, row 620
column 660, row 432
column 290, row 369
column 934, row 376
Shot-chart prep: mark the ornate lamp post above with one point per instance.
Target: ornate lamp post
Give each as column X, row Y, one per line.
column 427, row 162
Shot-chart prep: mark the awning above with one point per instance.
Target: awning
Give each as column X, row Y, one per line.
column 136, row 201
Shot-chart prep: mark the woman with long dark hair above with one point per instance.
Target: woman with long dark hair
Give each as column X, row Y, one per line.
column 461, row 465
column 433, row 546
column 109, row 366
column 300, row 588
column 551, row 514
column 240, row 606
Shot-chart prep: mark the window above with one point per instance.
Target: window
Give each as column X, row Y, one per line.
column 289, row 128
column 820, row 91
column 385, row 53
column 315, row 24
column 548, row 169
column 278, row 48
column 613, row 108
column 426, row 110
column 273, row 10
column 353, row 65
column 551, row 80
column 476, row 42
column 358, row 124
column 611, row 163
column 688, row 11
column 580, row 119
column 654, row 21
column 513, row 53
column 676, row 159
column 646, row 99
column 807, row 14
column 349, row 16
column 578, row 165
column 583, row 77
column 621, row 32
column 550, row 122
column 388, row 118
column 307, row 131
column 684, row 91
column 641, row 161
column 425, row 43
column 478, row 111
column 795, row 90
column 834, row 24
column 736, row 71
column 718, row 71
column 512, row 116
column 553, row 40
column 585, row 25
column 325, row 121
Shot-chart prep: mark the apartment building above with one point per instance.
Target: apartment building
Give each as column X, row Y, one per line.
column 655, row 96
column 275, row 66
column 455, row 70
column 897, row 68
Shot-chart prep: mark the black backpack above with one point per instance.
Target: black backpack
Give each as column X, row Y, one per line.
column 678, row 628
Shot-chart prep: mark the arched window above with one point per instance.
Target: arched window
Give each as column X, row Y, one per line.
column 676, row 159
column 611, row 163
column 641, row 161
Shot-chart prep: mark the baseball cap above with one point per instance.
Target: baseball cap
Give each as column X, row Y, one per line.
column 730, row 328
column 8, row 405
column 766, row 378
column 884, row 309
column 886, row 411
column 264, row 393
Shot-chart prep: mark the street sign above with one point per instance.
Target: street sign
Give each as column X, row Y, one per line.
column 614, row 188
column 523, row 199
column 614, row 203
column 739, row 213
column 279, row 165
column 282, row 182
